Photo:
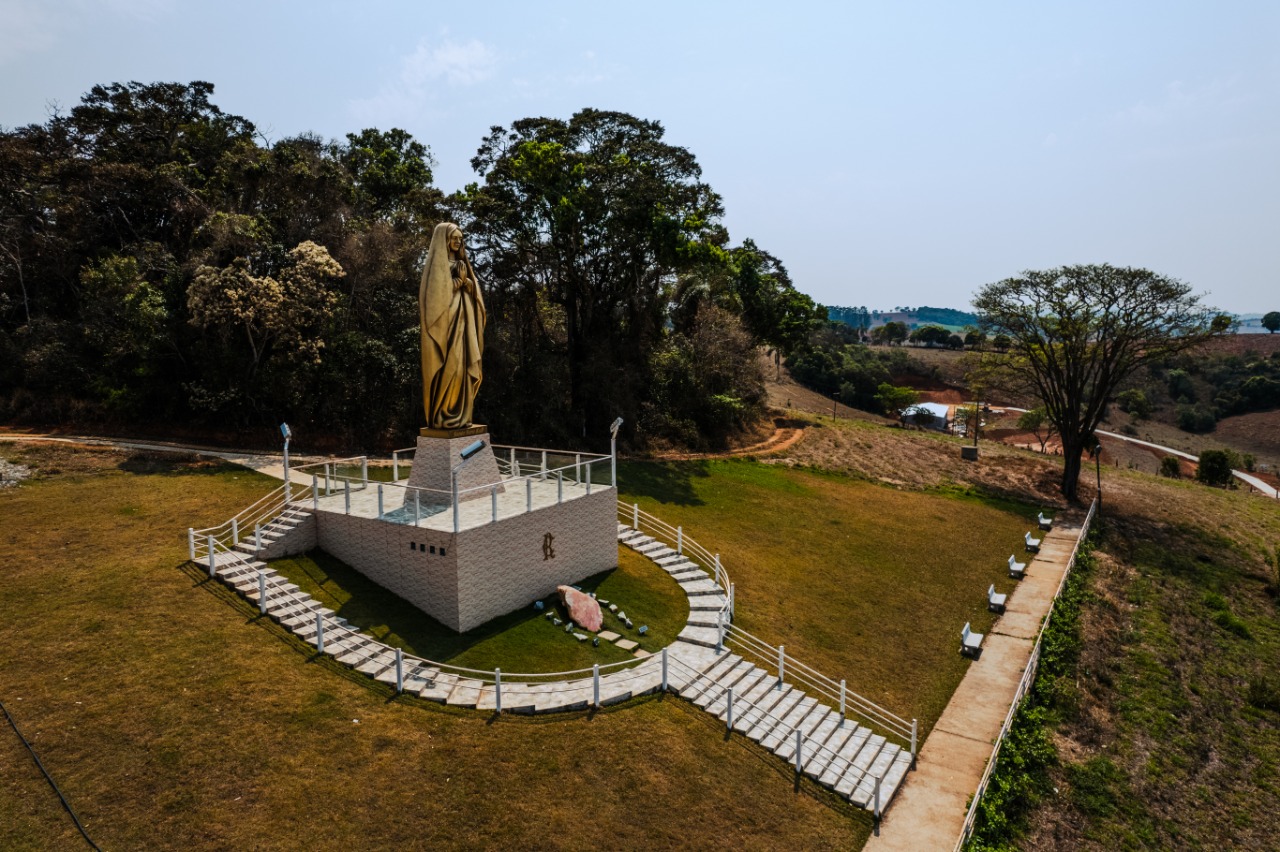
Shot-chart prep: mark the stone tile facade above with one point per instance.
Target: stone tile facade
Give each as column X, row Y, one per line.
column 468, row 578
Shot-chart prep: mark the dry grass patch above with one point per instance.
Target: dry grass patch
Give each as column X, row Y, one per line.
column 173, row 717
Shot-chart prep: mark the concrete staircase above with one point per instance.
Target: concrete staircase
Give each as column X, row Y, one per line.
column 706, row 598
column 276, row 535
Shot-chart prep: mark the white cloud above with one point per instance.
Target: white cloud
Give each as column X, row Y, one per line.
column 449, row 63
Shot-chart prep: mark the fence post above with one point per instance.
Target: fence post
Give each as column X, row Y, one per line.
column 235, row 532
column 191, row 543
column 877, row 811
column 315, row 492
column 720, row 631
column 595, row 684
column 731, row 597
column 664, row 669
column 577, row 468
column 728, row 718
column 528, row 494
column 399, row 670
column 782, row 663
column 320, row 633
column 515, row 468
column 635, row 517
column 257, row 539
column 913, row 744
column 497, row 691
column 680, row 540
column 211, row 555
column 328, row 479
column 544, row 464
column 346, row 493
column 799, row 750
column 559, row 487
column 364, row 470
column 493, row 500
column 395, row 466
column 379, row 501
column 417, row 506
column 842, row 693
column 262, row 593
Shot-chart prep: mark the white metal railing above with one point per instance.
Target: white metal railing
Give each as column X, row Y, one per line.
column 837, row 692
column 512, row 460
column 1024, row 686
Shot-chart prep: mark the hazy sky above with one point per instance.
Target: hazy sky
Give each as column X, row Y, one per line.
column 889, row 154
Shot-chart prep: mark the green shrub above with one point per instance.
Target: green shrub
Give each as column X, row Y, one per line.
column 1180, row 386
column 1215, row 467
column 1134, row 402
column 1196, row 418
column 1171, row 467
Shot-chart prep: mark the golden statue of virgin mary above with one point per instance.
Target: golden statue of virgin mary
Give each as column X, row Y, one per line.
column 453, row 316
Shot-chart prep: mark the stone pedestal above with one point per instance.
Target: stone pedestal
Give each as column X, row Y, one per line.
column 438, row 453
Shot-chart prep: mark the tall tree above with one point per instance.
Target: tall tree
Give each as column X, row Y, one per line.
column 1271, row 321
column 581, row 226
column 1077, row 332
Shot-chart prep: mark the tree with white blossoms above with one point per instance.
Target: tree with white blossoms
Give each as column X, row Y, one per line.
column 285, row 313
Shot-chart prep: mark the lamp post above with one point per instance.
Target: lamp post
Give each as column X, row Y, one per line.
column 1097, row 464
column 613, row 450
column 287, row 433
column 468, row 452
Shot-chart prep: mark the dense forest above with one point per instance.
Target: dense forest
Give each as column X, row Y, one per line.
column 161, row 262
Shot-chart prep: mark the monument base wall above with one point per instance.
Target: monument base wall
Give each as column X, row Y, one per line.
column 467, row 578
column 435, row 458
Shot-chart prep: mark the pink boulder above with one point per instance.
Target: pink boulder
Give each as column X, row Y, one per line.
column 583, row 609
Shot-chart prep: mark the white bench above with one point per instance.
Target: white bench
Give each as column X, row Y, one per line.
column 1045, row 523
column 1033, row 544
column 970, row 642
column 1016, row 568
column 995, row 601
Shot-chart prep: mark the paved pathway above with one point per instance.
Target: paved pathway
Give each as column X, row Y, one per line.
column 930, row 809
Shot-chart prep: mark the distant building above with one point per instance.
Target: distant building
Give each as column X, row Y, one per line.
column 931, row 415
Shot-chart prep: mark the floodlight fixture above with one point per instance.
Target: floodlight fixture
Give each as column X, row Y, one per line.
column 615, row 426
column 286, row 431
column 471, row 449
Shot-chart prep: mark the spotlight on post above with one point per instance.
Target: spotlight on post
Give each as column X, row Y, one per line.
column 613, row 450
column 471, row 449
column 286, row 433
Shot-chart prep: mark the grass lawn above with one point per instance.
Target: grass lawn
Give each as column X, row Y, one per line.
column 172, row 716
column 860, row 581
column 523, row 641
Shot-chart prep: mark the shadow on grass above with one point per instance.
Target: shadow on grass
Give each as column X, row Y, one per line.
column 666, row 482
column 146, row 463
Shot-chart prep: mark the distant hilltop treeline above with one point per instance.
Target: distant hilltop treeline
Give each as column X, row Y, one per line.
column 863, row 317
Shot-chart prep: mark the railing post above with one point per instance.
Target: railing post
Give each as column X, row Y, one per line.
column 559, row 487
column 395, row 466
column 454, row 495
column 399, row 670
column 417, row 506
column 544, row 464
column 680, row 540
column 364, row 470
column 262, row 593
column 328, row 479
column 379, row 501
column 913, row 743
column 664, row 669
column 497, row 690
column 842, row 693
column 782, row 663
column 720, row 631
column 588, row 478
column 732, row 598
column 191, row 543
column 728, row 706
column 346, row 495
column 493, row 500
column 528, row 494
column 635, row 517
column 877, row 810
column 320, row 633
column 257, row 539
column 515, row 469
column 577, row 468
column 799, row 750
column 211, row 555
column 235, row 532
column 315, row 492
column 595, row 684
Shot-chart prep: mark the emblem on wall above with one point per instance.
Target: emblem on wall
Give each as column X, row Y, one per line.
column 548, row 552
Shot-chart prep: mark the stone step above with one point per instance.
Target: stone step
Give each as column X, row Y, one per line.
column 864, row 794
column 466, row 693
column 763, row 716
column 703, row 618
column 786, row 746
column 785, row 728
column 706, row 682
column 696, row 587
column 563, row 696
column 844, row 756
column 707, row 637
column 713, row 700
column 829, row 760
column 707, row 603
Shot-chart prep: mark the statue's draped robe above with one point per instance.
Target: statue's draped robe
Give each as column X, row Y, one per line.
column 453, row 319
